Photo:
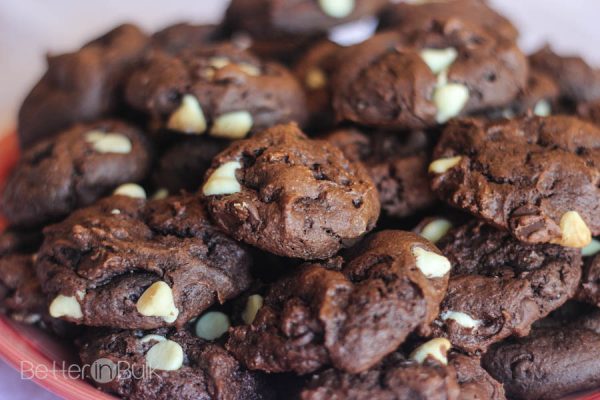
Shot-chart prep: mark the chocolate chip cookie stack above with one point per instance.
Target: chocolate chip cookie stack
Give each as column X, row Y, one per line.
column 250, row 210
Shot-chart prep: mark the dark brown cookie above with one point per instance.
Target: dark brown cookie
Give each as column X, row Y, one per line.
column 218, row 88
column 550, row 363
column 290, row 195
column 396, row 161
column 315, row 71
column 396, row 377
column 576, row 79
column 349, row 315
column 536, row 177
column 427, row 76
column 166, row 364
column 183, row 165
column 128, row 264
column 21, row 297
column 499, row 286
column 474, row 381
column 72, row 170
column 80, row 86
column 297, row 16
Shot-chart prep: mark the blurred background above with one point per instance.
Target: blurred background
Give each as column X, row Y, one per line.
column 31, row 28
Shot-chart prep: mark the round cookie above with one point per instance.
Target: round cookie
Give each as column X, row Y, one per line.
column 550, row 363
column 396, row 377
column 129, row 264
column 80, row 86
column 166, row 364
column 499, row 286
column 406, row 16
column 576, row 79
column 536, row 177
column 219, row 89
column 315, row 70
column 396, row 161
column 349, row 314
column 72, row 170
column 474, row 381
column 427, row 76
column 290, row 195
column 183, row 164
column 297, row 16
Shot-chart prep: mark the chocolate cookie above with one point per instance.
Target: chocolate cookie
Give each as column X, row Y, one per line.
column 290, row 195
column 215, row 88
column 550, row 363
column 347, row 314
column 181, row 36
column 576, row 79
column 315, row 71
column 407, row 16
column 20, row 295
column 297, row 16
column 396, row 377
column 499, row 286
column 474, row 381
column 80, row 86
column 536, row 177
column 166, row 364
column 72, row 170
column 396, row 161
column 126, row 263
column 589, row 290
column 184, row 164
column 426, row 76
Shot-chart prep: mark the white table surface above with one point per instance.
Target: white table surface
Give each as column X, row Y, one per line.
column 31, row 28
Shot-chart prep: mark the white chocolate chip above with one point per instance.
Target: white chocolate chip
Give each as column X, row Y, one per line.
column 575, row 232
column 249, row 69
column 432, row 265
column 115, row 211
column 157, row 301
column 223, row 180
column 156, row 338
column 212, row 325
column 219, row 62
column 131, row 190
column 188, row 117
column 65, row 306
column 439, row 60
column 444, row 164
column 315, row 79
column 253, row 304
column 166, row 355
column 160, row 194
column 232, row 125
column 103, row 142
column 542, row 108
column 464, row 320
column 337, row 8
column 435, row 348
column 436, row 229
column 591, row 249
column 450, row 99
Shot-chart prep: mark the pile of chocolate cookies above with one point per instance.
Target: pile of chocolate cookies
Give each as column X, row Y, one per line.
column 252, row 211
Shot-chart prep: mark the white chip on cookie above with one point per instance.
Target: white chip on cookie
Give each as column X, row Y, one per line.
column 461, row 318
column 212, row 325
column 188, row 117
column 108, row 142
column 449, row 99
column 436, row 229
column 253, row 304
column 232, row 125
column 130, row 190
column 157, row 301
column 431, row 264
column 439, row 60
column 337, row 8
column 166, row 355
column 223, row 180
column 65, row 306
column 435, row 348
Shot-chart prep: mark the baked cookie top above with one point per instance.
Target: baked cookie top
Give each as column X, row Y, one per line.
column 537, row 178
column 499, row 286
column 290, row 195
column 72, row 170
column 349, row 314
column 128, row 263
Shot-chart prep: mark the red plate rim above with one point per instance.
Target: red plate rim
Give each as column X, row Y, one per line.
column 16, row 348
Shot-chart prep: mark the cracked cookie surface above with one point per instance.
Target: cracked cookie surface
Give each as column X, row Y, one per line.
column 536, row 177
column 293, row 196
column 499, row 286
column 72, row 170
column 349, row 314
column 127, row 263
